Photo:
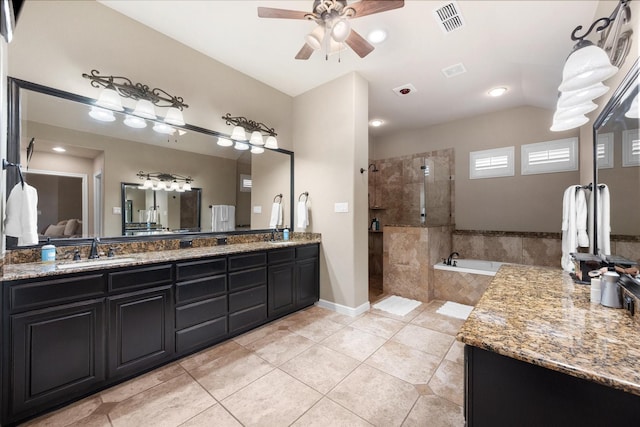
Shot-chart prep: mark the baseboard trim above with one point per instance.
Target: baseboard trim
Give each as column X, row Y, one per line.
column 343, row 309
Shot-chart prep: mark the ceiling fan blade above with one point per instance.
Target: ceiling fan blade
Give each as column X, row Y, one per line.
column 305, row 52
column 359, row 44
column 269, row 12
column 369, row 7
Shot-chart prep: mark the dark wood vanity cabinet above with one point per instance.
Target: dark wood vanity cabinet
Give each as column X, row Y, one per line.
column 67, row 336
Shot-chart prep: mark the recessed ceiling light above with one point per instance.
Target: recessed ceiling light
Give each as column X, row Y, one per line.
column 497, row 91
column 376, row 123
column 59, row 149
column 377, row 36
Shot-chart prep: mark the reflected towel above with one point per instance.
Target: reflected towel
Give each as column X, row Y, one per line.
column 276, row 215
column 303, row 215
column 21, row 214
column 604, row 220
column 223, row 218
column 569, row 230
column 581, row 218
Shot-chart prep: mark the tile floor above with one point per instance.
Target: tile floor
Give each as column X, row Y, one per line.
column 312, row 368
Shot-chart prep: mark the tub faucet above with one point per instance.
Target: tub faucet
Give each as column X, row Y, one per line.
column 449, row 260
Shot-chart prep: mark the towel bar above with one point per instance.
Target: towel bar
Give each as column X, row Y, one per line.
column 306, row 196
column 6, row 164
column 277, row 196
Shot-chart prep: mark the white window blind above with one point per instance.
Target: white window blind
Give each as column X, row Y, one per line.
column 605, row 151
column 497, row 162
column 630, row 147
column 245, row 183
column 560, row 155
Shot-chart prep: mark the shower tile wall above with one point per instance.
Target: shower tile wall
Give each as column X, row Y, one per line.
column 398, row 185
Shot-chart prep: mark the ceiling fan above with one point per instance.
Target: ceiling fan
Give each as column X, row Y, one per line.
column 334, row 28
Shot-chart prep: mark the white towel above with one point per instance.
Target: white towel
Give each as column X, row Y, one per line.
column 569, row 230
column 303, row 215
column 604, row 220
column 276, row 215
column 223, row 218
column 21, row 218
column 581, row 218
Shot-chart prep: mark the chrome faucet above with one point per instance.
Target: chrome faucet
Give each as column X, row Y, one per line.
column 94, row 248
column 450, row 259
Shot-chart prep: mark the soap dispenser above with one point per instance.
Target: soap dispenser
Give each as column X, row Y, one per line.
column 48, row 252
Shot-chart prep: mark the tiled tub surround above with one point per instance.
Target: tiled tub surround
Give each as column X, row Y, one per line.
column 459, row 286
column 528, row 248
column 539, row 316
column 409, row 253
column 139, row 253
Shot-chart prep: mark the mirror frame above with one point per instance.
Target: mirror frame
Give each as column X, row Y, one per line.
column 627, row 83
column 13, row 155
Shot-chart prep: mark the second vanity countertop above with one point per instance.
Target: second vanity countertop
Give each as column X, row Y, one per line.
column 540, row 316
column 40, row 269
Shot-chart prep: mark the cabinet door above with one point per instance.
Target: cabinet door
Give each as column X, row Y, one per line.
column 281, row 285
column 307, row 282
column 140, row 330
column 57, row 354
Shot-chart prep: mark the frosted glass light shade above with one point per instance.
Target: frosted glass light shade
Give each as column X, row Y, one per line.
column 239, row 134
column 101, row 114
column 256, row 138
column 174, row 117
column 224, row 142
column 174, row 186
column 585, row 67
column 341, row 30
column 257, row 150
column 314, row 38
column 144, row 108
column 186, row 186
column 135, row 122
column 271, row 142
column 148, row 183
column 575, row 97
column 571, row 123
column 110, row 99
column 161, row 186
column 576, row 110
column 242, row 146
column 165, row 129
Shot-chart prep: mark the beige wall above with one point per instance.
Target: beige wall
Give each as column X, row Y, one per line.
column 3, row 135
column 518, row 203
column 331, row 145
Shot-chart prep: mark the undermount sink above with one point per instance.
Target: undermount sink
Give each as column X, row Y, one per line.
column 93, row 263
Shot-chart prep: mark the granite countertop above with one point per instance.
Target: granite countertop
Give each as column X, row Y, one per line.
column 538, row 315
column 40, row 269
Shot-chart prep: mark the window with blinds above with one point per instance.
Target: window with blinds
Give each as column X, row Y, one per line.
column 604, row 150
column 560, row 155
column 494, row 163
column 630, row 147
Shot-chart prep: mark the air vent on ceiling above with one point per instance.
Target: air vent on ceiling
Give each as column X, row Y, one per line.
column 449, row 17
column 454, row 70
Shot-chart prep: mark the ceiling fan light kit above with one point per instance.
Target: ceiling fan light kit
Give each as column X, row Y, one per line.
column 334, row 26
column 588, row 65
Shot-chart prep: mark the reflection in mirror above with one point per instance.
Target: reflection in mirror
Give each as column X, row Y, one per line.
column 617, row 152
column 146, row 211
column 109, row 153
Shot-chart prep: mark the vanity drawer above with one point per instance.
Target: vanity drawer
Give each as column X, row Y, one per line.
column 309, row 251
column 193, row 290
column 201, row 311
column 240, row 262
column 247, row 279
column 34, row 294
column 196, row 269
column 140, row 277
column 248, row 318
column 281, row 255
column 201, row 335
column 247, row 298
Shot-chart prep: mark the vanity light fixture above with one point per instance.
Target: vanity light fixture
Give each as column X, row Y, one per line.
column 588, row 65
column 117, row 87
column 243, row 126
column 165, row 181
column 224, row 142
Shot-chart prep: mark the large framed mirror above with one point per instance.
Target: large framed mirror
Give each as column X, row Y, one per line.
column 104, row 155
column 617, row 164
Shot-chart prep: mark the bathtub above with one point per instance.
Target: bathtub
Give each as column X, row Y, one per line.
column 472, row 266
